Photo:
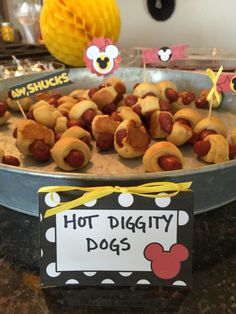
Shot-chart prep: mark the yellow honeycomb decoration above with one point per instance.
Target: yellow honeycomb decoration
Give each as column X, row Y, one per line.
column 67, row 26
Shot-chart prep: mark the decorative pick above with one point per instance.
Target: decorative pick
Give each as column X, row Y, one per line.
column 213, row 92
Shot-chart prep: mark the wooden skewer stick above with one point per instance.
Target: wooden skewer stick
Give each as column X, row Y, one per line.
column 210, row 108
column 21, row 109
column 144, row 73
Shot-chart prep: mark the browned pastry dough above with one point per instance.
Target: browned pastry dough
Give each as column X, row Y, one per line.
column 126, row 113
column 180, row 134
column 147, row 105
column 117, row 84
column 104, row 96
column 46, row 95
column 80, row 94
column 5, row 118
column 62, row 149
column 158, row 150
column 219, row 150
column 179, row 103
column 142, row 89
column 162, row 86
column 131, row 139
column 77, row 132
column 61, row 125
column 65, row 107
column 81, row 107
column 45, row 114
column 212, row 123
column 29, row 131
column 24, row 102
column 156, row 128
column 233, row 136
column 190, row 115
column 104, row 124
column 66, row 99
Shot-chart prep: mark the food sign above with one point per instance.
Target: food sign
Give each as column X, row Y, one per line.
column 124, row 238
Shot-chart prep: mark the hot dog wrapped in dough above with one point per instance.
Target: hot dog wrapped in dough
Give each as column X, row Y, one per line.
column 70, row 154
column 4, row 113
column 131, row 139
column 65, row 108
column 167, row 90
column 214, row 148
column 188, row 116
column 34, row 139
column 161, row 124
column 25, row 103
column 185, row 121
column 103, row 128
column 80, row 94
column 61, row 125
column 210, row 125
column 145, row 89
column 45, row 114
column 106, row 99
column 117, row 84
column 162, row 156
column 129, row 100
column 125, row 113
column 233, row 136
column 84, row 111
column 66, row 100
column 202, row 102
column 185, row 99
column 180, row 133
column 149, row 104
column 79, row 133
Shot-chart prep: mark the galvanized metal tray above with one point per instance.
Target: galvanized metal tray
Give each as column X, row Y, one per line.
column 213, row 185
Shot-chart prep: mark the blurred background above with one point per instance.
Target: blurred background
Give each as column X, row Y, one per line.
column 207, row 26
column 201, row 23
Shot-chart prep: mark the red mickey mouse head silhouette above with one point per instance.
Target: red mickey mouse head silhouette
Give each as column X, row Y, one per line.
column 166, row 264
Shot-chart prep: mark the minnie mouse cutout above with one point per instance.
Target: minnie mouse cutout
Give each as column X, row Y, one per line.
column 102, row 57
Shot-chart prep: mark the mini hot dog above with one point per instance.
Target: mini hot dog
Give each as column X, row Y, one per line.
column 162, row 156
column 84, row 111
column 185, row 99
column 161, row 124
column 168, row 90
column 214, row 148
column 79, row 133
column 210, row 125
column 106, row 99
column 145, row 106
column 70, row 154
column 143, row 90
column 131, row 139
column 34, row 139
column 103, row 128
column 202, row 102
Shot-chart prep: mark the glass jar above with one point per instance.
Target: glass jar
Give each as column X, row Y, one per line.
column 7, row 32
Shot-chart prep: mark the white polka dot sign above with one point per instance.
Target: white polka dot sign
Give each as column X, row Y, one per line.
column 122, row 239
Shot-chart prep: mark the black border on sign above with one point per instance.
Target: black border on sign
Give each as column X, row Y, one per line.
column 183, row 201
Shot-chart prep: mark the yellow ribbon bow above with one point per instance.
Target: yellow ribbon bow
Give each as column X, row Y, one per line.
column 150, row 190
column 214, row 78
